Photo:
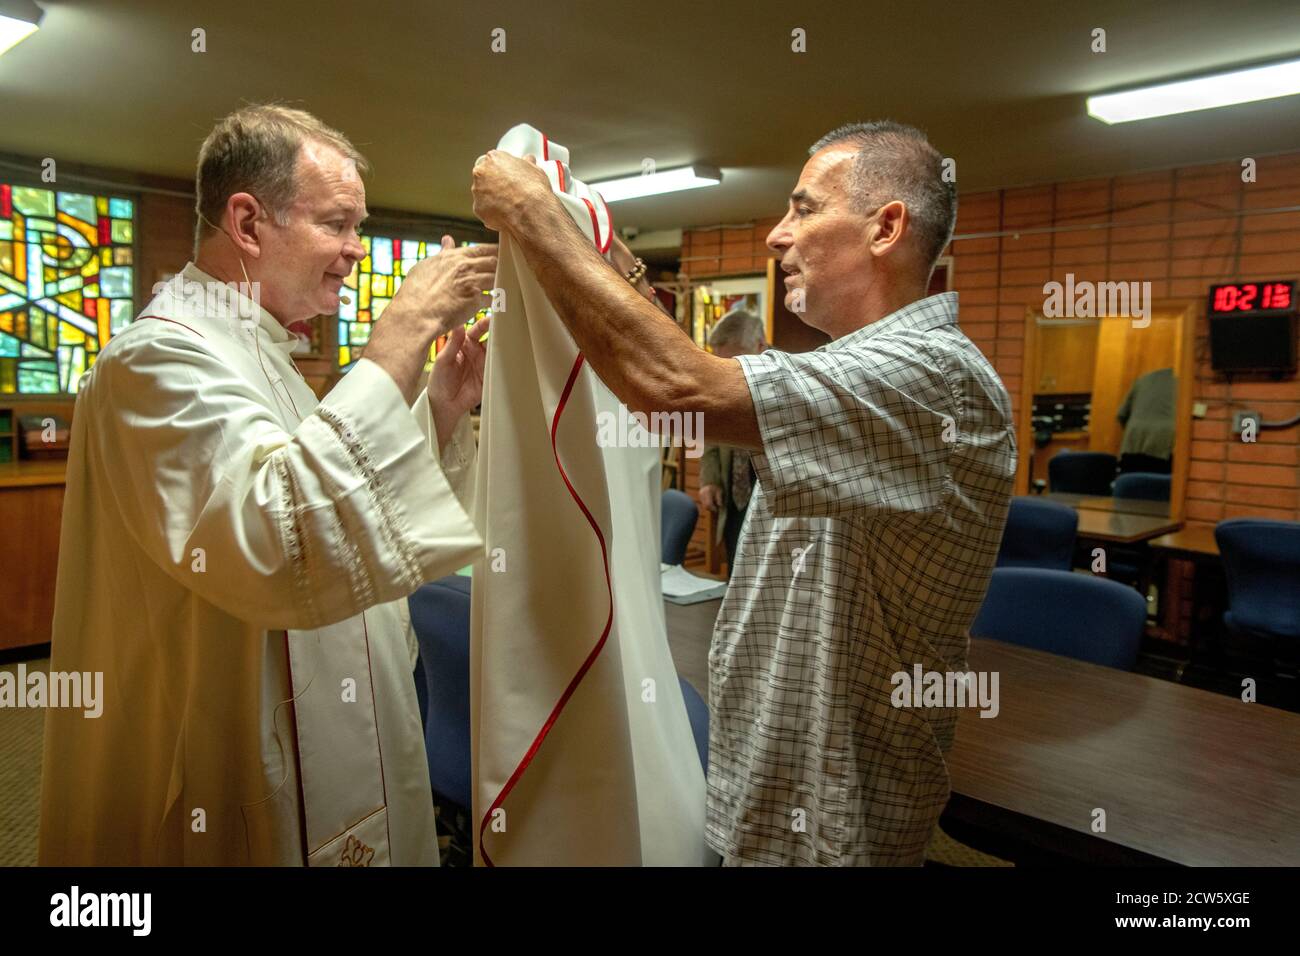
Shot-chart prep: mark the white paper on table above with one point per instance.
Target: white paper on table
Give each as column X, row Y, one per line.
column 676, row 582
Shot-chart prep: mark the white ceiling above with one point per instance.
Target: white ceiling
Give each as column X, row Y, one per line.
column 999, row 86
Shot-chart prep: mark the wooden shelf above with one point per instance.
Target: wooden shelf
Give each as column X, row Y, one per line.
column 28, row 474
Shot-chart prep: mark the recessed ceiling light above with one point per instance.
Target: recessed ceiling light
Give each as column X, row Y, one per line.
column 1202, row 93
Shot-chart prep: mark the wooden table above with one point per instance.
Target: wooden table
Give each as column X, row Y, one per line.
column 1185, row 776
column 1202, row 629
column 1134, row 506
column 1123, row 527
column 690, row 629
column 1119, row 520
column 1194, row 541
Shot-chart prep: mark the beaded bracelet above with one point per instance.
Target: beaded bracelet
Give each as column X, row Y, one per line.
column 634, row 274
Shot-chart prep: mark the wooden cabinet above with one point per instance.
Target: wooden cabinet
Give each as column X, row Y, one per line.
column 1067, row 358
column 31, row 511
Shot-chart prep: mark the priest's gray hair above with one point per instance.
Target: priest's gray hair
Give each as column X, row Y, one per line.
column 895, row 161
column 255, row 150
column 738, row 329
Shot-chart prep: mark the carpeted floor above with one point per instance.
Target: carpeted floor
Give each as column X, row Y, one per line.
column 21, row 730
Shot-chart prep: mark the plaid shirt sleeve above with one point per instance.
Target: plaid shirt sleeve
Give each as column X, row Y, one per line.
column 858, row 429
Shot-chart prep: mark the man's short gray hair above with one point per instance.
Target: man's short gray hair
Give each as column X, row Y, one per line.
column 895, row 161
column 739, row 329
column 255, row 150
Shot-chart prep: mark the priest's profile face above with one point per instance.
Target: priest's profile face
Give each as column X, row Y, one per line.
column 305, row 259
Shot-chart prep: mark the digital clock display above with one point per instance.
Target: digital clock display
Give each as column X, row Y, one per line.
column 1252, row 298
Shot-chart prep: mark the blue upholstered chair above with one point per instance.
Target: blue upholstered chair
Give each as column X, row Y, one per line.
column 1081, row 472
column 1261, row 560
column 440, row 617
column 1125, row 562
column 1075, row 615
column 1147, row 485
column 698, row 712
column 1039, row 534
column 679, row 516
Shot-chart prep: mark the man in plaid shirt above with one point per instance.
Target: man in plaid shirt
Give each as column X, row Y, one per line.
column 885, row 462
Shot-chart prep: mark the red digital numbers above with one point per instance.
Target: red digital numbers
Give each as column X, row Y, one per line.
column 1225, row 298
column 1277, row 295
column 1252, row 297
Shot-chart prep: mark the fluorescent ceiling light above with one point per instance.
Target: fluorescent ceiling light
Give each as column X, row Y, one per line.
column 1202, row 93
column 653, row 184
column 19, row 19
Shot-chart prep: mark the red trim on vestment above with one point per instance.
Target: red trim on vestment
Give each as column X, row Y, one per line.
column 595, row 651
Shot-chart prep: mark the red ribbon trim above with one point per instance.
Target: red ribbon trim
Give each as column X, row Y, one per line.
column 604, row 634
column 600, row 537
column 609, row 216
column 595, row 227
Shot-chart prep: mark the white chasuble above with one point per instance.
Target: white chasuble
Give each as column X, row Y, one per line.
column 582, row 748
column 235, row 558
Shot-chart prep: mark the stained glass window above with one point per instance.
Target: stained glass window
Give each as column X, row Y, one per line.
column 67, row 284
column 372, row 285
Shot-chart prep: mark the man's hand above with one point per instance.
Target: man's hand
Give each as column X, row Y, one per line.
column 642, row 355
column 711, row 497
column 456, row 382
column 505, row 185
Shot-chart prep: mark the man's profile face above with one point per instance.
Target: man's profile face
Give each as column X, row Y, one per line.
column 822, row 243
column 303, row 263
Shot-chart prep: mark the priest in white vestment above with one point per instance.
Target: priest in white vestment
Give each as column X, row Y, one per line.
column 236, row 553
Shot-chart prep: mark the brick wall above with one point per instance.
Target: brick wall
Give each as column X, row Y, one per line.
column 1181, row 229
column 727, row 250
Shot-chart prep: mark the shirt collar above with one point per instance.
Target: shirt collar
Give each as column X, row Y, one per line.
column 234, row 304
column 922, row 315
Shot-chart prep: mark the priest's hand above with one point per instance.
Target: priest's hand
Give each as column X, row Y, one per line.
column 437, row 295
column 456, row 382
column 447, row 289
column 504, row 186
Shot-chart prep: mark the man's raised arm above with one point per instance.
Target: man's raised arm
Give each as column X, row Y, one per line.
column 640, row 353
